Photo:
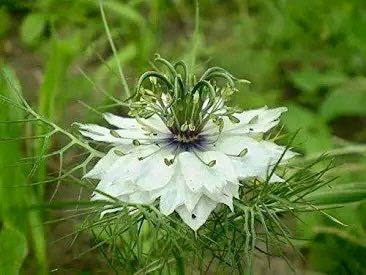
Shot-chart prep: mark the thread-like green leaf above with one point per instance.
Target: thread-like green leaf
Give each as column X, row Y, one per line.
column 349, row 193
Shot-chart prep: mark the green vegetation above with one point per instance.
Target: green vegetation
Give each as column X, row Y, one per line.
column 307, row 55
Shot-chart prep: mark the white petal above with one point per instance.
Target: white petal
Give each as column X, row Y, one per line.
column 110, row 210
column 210, row 129
column 198, row 175
column 121, row 136
column 198, row 216
column 223, row 197
column 254, row 121
column 103, row 134
column 154, row 173
column 140, row 197
column 126, row 168
column 106, row 162
column 262, row 172
column 231, row 189
column 102, row 165
column 275, row 178
column 97, row 133
column 172, row 195
column 260, row 158
column 170, row 199
column 121, row 122
column 245, row 171
column 176, row 193
column 140, row 135
column 229, row 192
column 226, row 199
column 114, row 189
column 191, row 198
column 260, row 150
column 190, row 167
column 231, row 145
column 154, row 124
column 121, row 177
column 223, row 164
column 277, row 151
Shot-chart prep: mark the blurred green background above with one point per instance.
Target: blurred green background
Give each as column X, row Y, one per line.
column 307, row 55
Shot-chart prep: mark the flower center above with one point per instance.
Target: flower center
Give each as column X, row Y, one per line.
column 183, row 138
column 185, row 142
column 184, row 104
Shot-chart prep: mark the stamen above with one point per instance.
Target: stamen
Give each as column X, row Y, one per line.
column 184, row 103
column 233, row 119
column 243, row 152
column 211, row 163
column 168, row 162
column 153, row 153
column 115, row 134
column 119, row 153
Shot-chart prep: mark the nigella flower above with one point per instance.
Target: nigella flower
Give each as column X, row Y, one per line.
column 184, row 146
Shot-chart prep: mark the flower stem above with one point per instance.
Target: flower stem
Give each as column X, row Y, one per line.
column 179, row 265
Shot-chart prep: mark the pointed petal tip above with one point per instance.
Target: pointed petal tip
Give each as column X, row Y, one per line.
column 107, row 115
column 283, row 109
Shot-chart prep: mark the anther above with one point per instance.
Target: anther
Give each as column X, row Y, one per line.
column 212, row 163
column 234, row 119
column 136, row 142
column 168, row 162
column 243, row 152
column 119, row 153
column 115, row 134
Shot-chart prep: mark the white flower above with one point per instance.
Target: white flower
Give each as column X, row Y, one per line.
column 190, row 165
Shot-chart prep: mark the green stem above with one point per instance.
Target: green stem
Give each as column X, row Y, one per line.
column 115, row 54
column 179, row 265
column 195, row 38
